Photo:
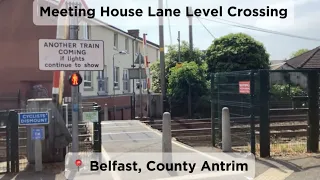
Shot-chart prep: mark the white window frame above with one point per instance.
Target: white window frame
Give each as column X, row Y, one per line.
column 125, row 74
column 116, row 77
column 144, row 84
column 115, row 40
column 87, row 80
column 126, row 80
column 126, row 44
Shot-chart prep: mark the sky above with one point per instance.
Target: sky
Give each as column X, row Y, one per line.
column 302, row 20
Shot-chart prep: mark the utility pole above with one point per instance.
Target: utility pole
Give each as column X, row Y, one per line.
column 191, row 55
column 140, row 84
column 179, row 47
column 190, row 32
column 73, row 32
column 162, row 62
column 133, row 85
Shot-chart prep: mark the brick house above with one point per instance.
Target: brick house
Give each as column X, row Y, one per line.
column 19, row 72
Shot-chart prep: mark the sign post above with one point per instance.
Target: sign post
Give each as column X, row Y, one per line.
column 37, row 120
column 72, row 55
column 37, row 134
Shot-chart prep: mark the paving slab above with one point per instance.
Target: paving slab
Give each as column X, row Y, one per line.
column 121, row 137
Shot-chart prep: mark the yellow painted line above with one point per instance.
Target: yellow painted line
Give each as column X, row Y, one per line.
column 274, row 174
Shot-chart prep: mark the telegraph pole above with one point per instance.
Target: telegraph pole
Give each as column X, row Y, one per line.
column 140, row 84
column 162, row 62
column 191, row 55
column 73, row 31
column 190, row 32
column 133, row 85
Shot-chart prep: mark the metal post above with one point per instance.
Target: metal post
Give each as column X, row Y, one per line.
column 264, row 114
column 313, row 112
column 252, row 115
column 166, row 138
column 38, row 154
column 75, row 96
column 133, row 85
column 140, row 89
column 97, row 131
column 166, row 133
column 114, row 90
column 226, row 132
column 162, row 62
column 106, row 113
column 213, row 127
column 179, row 53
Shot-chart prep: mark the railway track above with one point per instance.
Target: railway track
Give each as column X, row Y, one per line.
column 197, row 132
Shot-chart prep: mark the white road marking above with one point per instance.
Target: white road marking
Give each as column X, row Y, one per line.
column 145, row 139
column 111, row 127
column 105, row 155
column 201, row 176
column 119, row 122
column 183, row 145
column 132, row 132
column 274, row 174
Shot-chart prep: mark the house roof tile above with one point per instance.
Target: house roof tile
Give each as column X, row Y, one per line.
column 307, row 60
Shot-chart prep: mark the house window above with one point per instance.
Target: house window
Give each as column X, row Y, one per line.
column 126, row 81
column 87, row 74
column 116, row 77
column 87, row 80
column 85, row 31
column 127, row 45
column 115, row 41
column 144, row 84
column 100, row 74
column 102, row 82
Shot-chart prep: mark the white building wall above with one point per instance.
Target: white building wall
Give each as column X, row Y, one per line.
column 121, row 61
column 296, row 78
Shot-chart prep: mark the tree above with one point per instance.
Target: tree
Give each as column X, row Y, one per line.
column 298, row 53
column 171, row 59
column 236, row 52
column 189, row 76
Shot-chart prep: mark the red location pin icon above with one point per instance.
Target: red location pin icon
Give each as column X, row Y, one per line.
column 78, row 163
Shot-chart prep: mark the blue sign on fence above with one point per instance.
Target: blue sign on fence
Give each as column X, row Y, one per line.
column 37, row 133
column 34, row 118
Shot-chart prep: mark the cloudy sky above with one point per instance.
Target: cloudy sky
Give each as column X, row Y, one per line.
column 302, row 20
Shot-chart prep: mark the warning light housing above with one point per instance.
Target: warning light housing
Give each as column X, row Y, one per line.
column 75, row 79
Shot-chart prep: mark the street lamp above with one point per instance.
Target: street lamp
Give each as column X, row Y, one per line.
column 114, row 90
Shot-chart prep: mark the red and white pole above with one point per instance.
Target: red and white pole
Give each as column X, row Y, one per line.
column 146, row 65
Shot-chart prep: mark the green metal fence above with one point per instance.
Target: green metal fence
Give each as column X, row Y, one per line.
column 271, row 112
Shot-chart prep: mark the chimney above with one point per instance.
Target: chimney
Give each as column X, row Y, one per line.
column 134, row 32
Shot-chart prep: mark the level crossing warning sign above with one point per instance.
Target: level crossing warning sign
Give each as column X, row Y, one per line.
column 71, row 55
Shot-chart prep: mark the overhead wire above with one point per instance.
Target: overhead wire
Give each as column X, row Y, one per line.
column 169, row 24
column 239, row 25
column 206, row 28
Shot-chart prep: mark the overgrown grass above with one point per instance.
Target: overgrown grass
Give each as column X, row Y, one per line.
column 280, row 148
